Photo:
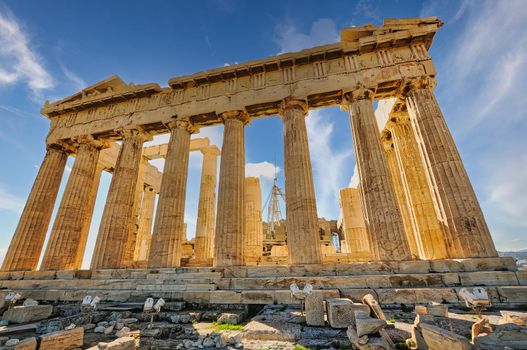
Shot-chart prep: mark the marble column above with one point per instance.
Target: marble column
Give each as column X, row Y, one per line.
column 354, row 225
column 26, row 245
column 85, row 232
column 381, row 213
column 228, row 242
column 430, row 238
column 465, row 227
column 253, row 242
column 303, row 240
column 402, row 198
column 131, row 243
column 204, row 243
column 169, row 224
column 144, row 235
column 67, row 240
column 117, row 218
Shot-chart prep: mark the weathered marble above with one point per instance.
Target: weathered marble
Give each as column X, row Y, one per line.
column 26, row 245
column 382, row 215
column 230, row 222
column 169, row 225
column 355, row 232
column 205, row 223
column 144, row 236
column 467, row 234
column 66, row 244
column 253, row 240
column 301, row 208
column 117, row 218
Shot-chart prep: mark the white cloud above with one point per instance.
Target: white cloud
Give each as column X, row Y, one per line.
column 77, row 82
column 67, row 168
column 18, row 62
column 322, row 32
column 328, row 163
column 355, row 180
column 262, row 169
column 10, row 202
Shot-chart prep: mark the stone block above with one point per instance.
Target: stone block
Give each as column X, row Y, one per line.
column 516, row 317
column 314, row 309
column 437, row 338
column 488, row 278
column 489, row 264
column 413, row 266
column 23, row 314
column 65, row 274
column 373, row 343
column 446, row 265
column 284, row 297
column 513, row 294
column 124, row 343
column 522, row 277
column 225, row 297
column 257, row 297
column 356, row 294
column 64, row 340
column 39, row 275
column 507, row 336
column 417, row 296
column 341, row 312
column 281, row 331
column 27, row 344
column 367, row 325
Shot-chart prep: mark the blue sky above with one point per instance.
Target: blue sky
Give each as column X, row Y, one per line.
column 49, row 50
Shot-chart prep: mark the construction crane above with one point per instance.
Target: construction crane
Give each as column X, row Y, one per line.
column 274, row 214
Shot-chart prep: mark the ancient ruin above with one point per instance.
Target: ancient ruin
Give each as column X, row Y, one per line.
column 412, row 232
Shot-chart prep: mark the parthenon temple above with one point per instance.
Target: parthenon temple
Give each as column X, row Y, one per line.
column 414, row 216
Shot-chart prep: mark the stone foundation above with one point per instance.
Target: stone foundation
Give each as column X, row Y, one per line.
column 396, row 282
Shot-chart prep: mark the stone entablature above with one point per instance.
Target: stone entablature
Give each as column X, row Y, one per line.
column 380, row 58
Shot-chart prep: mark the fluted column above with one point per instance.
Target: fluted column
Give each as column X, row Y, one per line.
column 144, row 235
column 354, row 225
column 228, row 242
column 169, row 224
column 118, row 212
column 303, row 241
column 66, row 243
column 131, row 243
column 466, row 230
column 85, row 232
column 430, row 238
column 253, row 242
column 26, row 244
column 402, row 198
column 204, row 243
column 382, row 215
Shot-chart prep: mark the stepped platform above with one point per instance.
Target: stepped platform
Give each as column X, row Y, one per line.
column 405, row 282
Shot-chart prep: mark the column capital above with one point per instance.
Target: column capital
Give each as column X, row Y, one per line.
column 360, row 93
column 387, row 140
column 291, row 103
column 183, row 124
column 89, row 139
column 137, row 132
column 212, row 150
column 423, row 82
column 61, row 146
column 238, row 115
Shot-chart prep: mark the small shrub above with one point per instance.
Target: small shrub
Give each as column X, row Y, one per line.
column 391, row 320
column 300, row 347
column 227, row 327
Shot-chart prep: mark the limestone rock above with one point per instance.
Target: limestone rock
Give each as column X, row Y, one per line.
column 341, row 312
column 123, row 332
column 12, row 342
column 367, row 325
column 23, row 314
column 30, row 302
column 231, row 317
column 508, row 335
column 314, row 306
column 27, row 344
column 516, row 317
column 374, row 343
column 64, row 340
column 125, row 343
column 437, row 338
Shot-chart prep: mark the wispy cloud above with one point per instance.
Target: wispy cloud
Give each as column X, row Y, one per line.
column 77, row 82
column 262, row 169
column 18, row 61
column 329, row 164
column 288, row 38
column 10, row 202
